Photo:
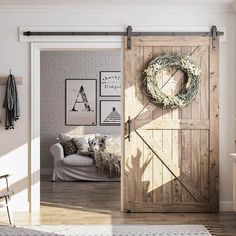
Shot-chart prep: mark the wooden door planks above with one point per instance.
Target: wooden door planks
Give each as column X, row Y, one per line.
column 158, row 136
column 147, row 153
column 196, row 115
column 129, row 175
column 181, row 135
column 186, row 142
column 167, row 41
column 176, row 136
column 167, row 136
column 214, row 128
column 205, row 134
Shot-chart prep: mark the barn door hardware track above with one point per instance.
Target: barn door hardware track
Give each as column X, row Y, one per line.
column 129, row 33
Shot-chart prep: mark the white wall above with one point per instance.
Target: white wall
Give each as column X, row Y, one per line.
column 14, row 144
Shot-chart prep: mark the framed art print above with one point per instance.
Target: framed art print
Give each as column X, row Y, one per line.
column 110, row 83
column 110, row 113
column 81, row 102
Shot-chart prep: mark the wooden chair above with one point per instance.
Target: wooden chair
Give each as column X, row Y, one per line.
column 6, row 193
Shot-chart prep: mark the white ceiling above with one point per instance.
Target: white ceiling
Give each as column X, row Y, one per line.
column 113, row 2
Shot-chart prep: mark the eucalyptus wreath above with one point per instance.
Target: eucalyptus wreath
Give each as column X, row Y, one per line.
column 180, row 62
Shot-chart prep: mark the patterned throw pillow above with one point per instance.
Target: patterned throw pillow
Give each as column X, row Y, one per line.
column 69, row 148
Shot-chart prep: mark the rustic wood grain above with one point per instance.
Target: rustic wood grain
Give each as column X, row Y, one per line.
column 204, row 155
column 183, row 124
column 158, row 136
column 167, row 136
column 196, row 134
column 140, row 160
column 167, row 41
column 129, row 175
column 214, row 128
column 186, row 142
column 172, row 167
column 147, row 153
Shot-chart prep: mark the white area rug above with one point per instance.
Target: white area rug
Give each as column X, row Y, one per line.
column 105, row 230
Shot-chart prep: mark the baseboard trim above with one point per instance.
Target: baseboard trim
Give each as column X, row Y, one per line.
column 46, row 171
column 226, row 206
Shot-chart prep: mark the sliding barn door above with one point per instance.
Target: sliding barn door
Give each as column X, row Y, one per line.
column 171, row 156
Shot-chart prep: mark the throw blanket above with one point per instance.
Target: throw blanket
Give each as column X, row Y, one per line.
column 107, row 163
column 11, row 103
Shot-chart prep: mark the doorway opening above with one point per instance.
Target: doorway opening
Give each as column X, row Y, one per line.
column 111, row 47
column 80, row 124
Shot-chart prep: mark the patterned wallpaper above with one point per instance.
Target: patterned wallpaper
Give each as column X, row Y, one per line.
column 56, row 66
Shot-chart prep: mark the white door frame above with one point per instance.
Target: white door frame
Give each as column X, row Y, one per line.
column 85, row 42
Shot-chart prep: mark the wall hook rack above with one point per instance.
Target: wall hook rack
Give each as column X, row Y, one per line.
column 3, row 79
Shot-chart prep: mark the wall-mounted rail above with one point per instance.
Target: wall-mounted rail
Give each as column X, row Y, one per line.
column 129, row 33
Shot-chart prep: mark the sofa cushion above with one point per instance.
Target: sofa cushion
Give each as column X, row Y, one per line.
column 77, row 160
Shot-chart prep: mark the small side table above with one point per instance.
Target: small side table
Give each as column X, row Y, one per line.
column 233, row 155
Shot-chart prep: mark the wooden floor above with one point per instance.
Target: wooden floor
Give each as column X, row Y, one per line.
column 99, row 203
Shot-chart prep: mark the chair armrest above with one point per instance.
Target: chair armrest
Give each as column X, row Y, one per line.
column 4, row 176
column 57, row 152
column 6, row 179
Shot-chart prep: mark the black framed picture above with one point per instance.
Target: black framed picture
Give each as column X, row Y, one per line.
column 81, row 102
column 110, row 112
column 110, row 83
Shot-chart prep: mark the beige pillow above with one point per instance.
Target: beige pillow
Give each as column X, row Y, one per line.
column 64, row 138
column 113, row 144
column 81, row 143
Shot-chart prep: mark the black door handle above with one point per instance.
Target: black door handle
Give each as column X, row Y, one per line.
column 129, row 128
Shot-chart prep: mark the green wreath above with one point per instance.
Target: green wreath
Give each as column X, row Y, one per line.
column 187, row 93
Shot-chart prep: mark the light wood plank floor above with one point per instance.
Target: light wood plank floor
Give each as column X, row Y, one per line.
column 99, row 203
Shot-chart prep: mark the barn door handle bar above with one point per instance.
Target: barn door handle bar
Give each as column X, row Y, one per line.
column 128, row 123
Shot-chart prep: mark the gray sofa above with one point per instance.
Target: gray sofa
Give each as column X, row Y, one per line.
column 74, row 167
